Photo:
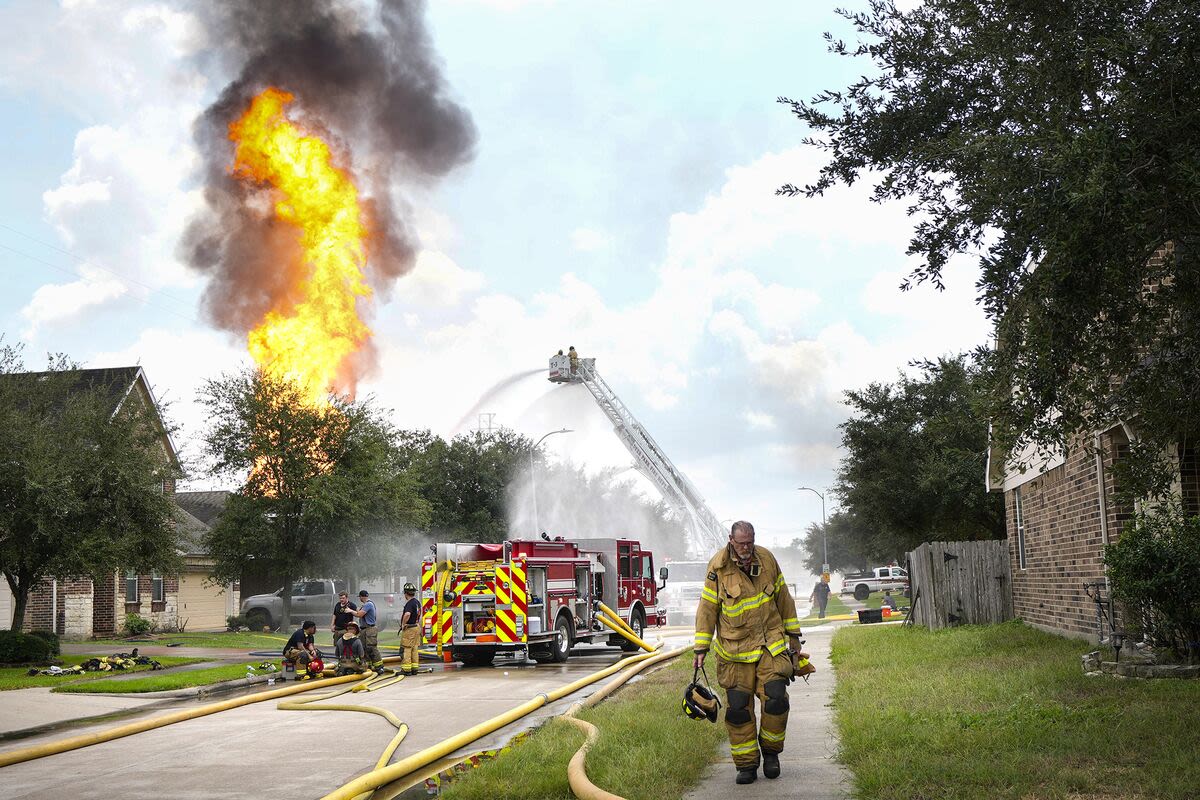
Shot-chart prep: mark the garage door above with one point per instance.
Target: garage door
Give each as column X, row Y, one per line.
column 5, row 606
column 201, row 607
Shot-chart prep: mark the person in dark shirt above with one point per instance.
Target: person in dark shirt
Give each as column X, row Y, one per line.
column 820, row 595
column 342, row 613
column 300, row 648
column 410, row 631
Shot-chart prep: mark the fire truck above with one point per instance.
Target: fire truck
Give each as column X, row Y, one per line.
column 537, row 596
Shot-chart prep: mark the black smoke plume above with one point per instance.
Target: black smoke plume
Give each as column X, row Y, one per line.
column 365, row 76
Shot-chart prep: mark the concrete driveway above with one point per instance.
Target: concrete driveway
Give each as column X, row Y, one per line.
column 259, row 751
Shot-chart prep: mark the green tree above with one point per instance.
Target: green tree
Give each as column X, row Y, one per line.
column 852, row 545
column 1058, row 143
column 81, row 478
column 915, row 458
column 322, row 484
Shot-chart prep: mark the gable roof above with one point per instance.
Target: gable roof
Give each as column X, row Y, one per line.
column 204, row 507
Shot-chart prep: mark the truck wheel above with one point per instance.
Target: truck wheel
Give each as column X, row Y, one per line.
column 638, row 623
column 560, row 648
column 862, row 592
column 257, row 619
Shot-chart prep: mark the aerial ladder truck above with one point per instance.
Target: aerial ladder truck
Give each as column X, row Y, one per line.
column 706, row 534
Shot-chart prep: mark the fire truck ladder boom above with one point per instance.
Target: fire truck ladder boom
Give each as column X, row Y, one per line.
column 705, row 531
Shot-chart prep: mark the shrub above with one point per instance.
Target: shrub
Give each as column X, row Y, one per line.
column 1155, row 571
column 51, row 638
column 136, row 624
column 236, row 623
column 21, row 648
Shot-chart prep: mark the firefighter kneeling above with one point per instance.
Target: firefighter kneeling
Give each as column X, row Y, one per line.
column 746, row 603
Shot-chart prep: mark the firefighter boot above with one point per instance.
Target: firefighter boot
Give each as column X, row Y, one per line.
column 745, row 776
column 770, row 764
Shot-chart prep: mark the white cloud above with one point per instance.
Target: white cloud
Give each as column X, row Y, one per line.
column 589, row 240
column 758, row 421
column 436, row 281
column 53, row 302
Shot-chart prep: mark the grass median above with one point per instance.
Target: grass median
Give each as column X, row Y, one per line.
column 241, row 640
column 647, row 748
column 161, row 681
column 1004, row 711
column 19, row 677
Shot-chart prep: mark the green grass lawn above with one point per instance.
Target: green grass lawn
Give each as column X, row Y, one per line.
column 18, row 677
column 1004, row 711
column 243, row 640
column 162, row 681
column 647, row 748
column 833, row 608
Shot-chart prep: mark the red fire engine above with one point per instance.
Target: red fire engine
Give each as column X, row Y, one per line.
column 534, row 595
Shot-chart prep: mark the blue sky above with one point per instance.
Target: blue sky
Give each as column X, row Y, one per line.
column 620, row 199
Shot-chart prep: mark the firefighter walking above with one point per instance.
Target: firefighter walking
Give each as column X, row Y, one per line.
column 410, row 632
column 747, row 616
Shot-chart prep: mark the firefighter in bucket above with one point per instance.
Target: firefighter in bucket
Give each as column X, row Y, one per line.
column 748, row 617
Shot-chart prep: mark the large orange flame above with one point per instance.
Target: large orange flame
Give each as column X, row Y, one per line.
column 311, row 340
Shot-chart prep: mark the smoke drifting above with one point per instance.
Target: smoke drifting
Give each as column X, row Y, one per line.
column 366, row 78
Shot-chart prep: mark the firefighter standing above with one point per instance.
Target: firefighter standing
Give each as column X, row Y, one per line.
column 410, row 631
column 748, row 605
column 369, row 634
column 571, row 354
column 342, row 613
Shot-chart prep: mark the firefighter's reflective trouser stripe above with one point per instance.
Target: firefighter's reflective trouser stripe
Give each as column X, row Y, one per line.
column 370, row 640
column 410, row 637
column 300, row 656
column 743, row 682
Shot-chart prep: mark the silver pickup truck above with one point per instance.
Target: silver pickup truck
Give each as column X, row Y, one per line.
column 313, row 599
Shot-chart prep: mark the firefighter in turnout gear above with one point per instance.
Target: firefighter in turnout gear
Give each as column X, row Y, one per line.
column 747, row 617
column 410, row 631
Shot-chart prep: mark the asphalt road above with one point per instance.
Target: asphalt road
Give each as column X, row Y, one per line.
column 259, row 751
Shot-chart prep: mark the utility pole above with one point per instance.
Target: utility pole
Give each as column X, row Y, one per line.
column 824, row 532
column 533, row 478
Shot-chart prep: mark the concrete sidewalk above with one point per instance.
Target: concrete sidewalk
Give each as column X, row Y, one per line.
column 808, row 766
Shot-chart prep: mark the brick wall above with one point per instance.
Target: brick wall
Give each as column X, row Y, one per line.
column 104, row 605
column 71, row 616
column 1063, row 541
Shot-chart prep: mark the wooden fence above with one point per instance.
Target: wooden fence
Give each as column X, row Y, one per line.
column 960, row 583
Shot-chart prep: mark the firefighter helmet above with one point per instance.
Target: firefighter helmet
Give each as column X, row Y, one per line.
column 316, row 666
column 699, row 701
column 410, row 588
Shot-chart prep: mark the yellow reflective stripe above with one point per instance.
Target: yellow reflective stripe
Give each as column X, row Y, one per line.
column 777, row 648
column 779, row 581
column 703, row 639
column 750, row 604
column 792, row 626
column 772, row 737
column 709, row 595
column 743, row 749
column 748, row 657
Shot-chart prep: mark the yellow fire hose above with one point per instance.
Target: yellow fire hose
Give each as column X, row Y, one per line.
column 76, row 742
column 627, row 634
column 615, row 617
column 577, row 777
column 393, row 772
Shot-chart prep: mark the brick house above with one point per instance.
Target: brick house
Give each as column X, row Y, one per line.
column 1060, row 514
column 96, row 606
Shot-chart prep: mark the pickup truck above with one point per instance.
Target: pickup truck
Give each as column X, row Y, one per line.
column 312, row 599
column 861, row 584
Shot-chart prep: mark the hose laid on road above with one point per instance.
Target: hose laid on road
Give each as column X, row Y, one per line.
column 581, row 785
column 380, row 777
column 76, row 742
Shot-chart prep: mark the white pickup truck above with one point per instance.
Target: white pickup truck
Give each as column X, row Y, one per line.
column 314, row 600
column 861, row 584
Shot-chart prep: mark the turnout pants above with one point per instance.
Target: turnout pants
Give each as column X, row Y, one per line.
column 370, row 640
column 410, row 637
column 298, row 656
column 766, row 679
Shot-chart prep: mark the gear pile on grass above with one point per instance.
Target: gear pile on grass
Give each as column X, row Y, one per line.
column 113, row 663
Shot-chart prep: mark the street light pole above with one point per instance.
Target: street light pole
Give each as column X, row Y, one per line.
column 533, row 476
column 824, row 533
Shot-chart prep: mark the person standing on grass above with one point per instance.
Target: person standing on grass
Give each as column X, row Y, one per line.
column 747, row 616
column 343, row 612
column 820, row 595
column 300, row 648
column 368, row 633
column 410, row 631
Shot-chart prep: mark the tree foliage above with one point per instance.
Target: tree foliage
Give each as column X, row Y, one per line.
column 1155, row 571
column 1060, row 144
column 81, row 479
column 322, row 486
column 852, row 545
column 914, row 466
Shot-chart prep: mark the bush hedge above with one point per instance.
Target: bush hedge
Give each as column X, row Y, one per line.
column 21, row 648
column 51, row 638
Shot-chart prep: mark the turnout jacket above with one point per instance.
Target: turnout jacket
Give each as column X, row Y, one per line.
column 740, row 616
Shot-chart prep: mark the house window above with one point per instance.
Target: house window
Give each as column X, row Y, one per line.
column 156, row 588
column 1019, row 514
column 131, row 587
